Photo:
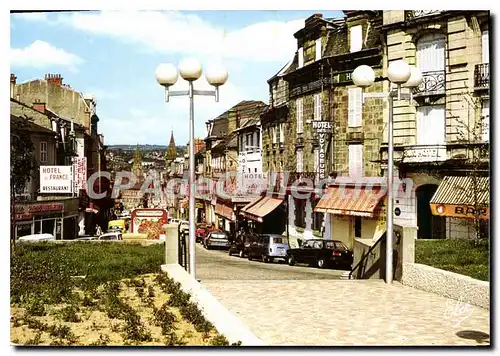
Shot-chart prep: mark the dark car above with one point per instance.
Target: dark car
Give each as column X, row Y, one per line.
column 268, row 247
column 216, row 239
column 321, row 253
column 241, row 244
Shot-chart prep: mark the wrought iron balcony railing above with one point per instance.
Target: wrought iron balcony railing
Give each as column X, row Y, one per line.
column 482, row 76
column 413, row 14
column 433, row 83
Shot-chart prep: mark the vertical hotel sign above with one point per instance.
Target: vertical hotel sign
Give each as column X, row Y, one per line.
column 80, row 169
column 323, row 131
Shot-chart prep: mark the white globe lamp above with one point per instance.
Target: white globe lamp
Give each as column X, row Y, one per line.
column 363, row 76
column 415, row 78
column 399, row 72
column 166, row 74
column 216, row 75
column 190, row 69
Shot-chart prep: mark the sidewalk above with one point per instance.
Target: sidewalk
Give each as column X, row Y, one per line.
column 350, row 312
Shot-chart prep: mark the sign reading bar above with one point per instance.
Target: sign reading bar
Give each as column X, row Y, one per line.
column 323, row 130
column 56, row 179
column 460, row 211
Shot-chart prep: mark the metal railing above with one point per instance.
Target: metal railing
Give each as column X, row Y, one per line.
column 433, row 83
column 482, row 75
column 413, row 14
column 363, row 259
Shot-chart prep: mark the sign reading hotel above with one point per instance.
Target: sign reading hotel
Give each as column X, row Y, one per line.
column 80, row 169
column 323, row 129
column 56, row 179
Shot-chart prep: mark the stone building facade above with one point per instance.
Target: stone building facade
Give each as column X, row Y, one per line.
column 444, row 131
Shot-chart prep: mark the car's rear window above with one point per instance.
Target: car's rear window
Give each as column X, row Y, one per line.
column 280, row 240
column 218, row 236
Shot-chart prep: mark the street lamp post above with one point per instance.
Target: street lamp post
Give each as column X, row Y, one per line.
column 399, row 73
column 190, row 70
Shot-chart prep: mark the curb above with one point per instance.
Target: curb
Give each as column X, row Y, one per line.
column 224, row 321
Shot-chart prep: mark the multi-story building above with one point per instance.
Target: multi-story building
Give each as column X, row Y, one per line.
column 67, row 109
column 329, row 133
column 444, row 131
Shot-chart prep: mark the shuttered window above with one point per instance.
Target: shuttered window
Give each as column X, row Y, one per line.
column 301, row 57
column 431, row 125
column 356, row 38
column 318, row 49
column 275, row 138
column 43, row 151
column 430, row 53
column 355, row 107
column 485, row 113
column 317, row 106
column 282, row 132
column 485, row 38
column 356, row 160
column 299, row 160
column 299, row 114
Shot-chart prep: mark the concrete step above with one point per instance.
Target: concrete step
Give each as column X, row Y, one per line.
column 345, row 275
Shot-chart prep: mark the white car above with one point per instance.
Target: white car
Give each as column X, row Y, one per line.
column 174, row 221
column 184, row 225
column 110, row 236
column 37, row 238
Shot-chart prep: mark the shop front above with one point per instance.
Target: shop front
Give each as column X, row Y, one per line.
column 267, row 214
column 225, row 217
column 465, row 204
column 356, row 212
column 56, row 217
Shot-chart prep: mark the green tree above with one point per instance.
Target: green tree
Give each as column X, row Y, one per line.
column 22, row 160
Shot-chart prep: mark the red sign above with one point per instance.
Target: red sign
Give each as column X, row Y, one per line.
column 41, row 208
column 80, row 169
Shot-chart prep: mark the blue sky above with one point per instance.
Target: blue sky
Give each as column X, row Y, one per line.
column 113, row 55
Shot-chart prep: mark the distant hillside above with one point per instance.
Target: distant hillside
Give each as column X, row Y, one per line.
column 144, row 147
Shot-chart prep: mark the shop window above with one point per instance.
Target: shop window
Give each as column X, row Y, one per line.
column 357, row 226
column 317, row 217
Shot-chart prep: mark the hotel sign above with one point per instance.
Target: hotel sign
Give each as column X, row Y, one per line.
column 56, row 179
column 323, row 130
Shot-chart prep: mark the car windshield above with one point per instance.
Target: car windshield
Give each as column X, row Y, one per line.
column 218, row 236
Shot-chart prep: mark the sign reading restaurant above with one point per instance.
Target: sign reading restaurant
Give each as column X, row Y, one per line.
column 323, row 130
column 56, row 179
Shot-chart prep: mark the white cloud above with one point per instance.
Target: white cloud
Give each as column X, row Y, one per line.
column 31, row 16
column 41, row 55
column 188, row 34
column 102, row 93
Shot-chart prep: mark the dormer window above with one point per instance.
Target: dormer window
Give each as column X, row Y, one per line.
column 318, row 49
column 356, row 36
column 301, row 57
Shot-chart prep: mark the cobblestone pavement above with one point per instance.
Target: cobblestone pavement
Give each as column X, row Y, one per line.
column 217, row 264
column 350, row 313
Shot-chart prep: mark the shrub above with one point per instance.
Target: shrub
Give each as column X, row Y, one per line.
column 35, row 341
column 69, row 314
column 219, row 340
column 36, row 307
column 164, row 318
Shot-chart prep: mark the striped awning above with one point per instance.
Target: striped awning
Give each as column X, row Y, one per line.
column 351, row 200
column 465, row 196
column 224, row 211
column 260, row 207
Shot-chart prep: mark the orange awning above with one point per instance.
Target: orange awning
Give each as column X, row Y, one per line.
column 350, row 200
column 259, row 208
column 224, row 211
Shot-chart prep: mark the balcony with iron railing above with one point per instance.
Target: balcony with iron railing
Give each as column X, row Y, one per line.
column 482, row 76
column 433, row 83
column 415, row 14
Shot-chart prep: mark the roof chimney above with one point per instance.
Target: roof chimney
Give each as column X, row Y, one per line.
column 38, row 106
column 313, row 17
column 12, row 84
column 55, row 79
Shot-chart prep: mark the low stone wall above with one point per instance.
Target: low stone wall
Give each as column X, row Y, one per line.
column 224, row 321
column 447, row 284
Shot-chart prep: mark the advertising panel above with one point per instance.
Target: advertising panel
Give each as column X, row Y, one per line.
column 149, row 221
column 80, row 169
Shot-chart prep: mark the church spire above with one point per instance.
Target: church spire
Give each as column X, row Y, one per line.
column 172, row 151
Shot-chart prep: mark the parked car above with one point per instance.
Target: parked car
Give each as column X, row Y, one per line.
column 268, row 247
column 110, row 236
column 216, row 239
column 36, row 238
column 321, row 253
column 202, row 231
column 241, row 244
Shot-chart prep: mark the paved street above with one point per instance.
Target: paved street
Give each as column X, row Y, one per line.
column 218, row 265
